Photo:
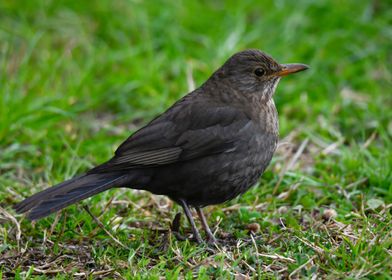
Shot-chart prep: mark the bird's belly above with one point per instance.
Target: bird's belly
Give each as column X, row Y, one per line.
column 216, row 178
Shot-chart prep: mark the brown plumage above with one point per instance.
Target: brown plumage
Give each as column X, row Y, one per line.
column 209, row 147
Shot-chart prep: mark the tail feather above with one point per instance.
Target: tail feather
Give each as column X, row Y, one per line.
column 35, row 199
column 71, row 191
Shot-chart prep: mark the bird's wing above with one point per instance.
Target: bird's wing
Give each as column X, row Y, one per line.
column 180, row 134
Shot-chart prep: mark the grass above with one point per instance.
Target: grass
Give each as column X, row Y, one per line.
column 76, row 78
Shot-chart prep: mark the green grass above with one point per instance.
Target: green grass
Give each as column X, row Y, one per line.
column 78, row 77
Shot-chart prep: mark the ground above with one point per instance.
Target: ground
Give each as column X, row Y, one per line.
column 78, row 77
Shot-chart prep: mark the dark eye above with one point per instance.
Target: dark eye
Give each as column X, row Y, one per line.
column 259, row 72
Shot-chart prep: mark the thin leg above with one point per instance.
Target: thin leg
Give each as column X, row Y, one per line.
column 210, row 235
column 188, row 214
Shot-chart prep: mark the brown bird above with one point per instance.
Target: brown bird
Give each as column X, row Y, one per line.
column 209, row 147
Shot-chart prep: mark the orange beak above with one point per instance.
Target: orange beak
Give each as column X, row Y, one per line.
column 288, row 69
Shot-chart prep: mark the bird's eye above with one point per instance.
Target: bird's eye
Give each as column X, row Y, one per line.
column 259, row 72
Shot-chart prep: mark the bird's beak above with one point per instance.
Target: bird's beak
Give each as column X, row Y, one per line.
column 288, row 69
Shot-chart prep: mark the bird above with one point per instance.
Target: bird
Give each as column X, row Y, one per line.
column 209, row 147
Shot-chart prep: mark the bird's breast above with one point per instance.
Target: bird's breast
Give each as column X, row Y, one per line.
column 266, row 117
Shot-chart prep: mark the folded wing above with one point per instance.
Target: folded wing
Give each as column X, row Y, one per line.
column 195, row 131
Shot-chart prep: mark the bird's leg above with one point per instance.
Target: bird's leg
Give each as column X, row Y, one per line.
column 210, row 236
column 188, row 214
column 175, row 227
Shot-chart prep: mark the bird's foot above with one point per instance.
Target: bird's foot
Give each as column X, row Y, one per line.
column 197, row 239
column 179, row 236
column 175, row 227
column 211, row 240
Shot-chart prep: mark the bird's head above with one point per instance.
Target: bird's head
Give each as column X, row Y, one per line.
column 254, row 72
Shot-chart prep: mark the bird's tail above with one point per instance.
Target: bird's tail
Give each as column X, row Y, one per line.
column 71, row 191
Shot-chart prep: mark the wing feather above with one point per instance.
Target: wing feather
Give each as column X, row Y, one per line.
column 182, row 133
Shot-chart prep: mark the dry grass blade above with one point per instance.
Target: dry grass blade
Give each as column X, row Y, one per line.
column 256, row 249
column 332, row 147
column 15, row 222
column 103, row 227
column 295, row 271
column 100, row 273
column 291, row 163
column 311, row 245
column 370, row 140
column 54, row 224
column 189, row 77
column 48, row 271
column 277, row 257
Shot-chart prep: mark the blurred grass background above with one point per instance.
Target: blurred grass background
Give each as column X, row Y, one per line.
column 77, row 77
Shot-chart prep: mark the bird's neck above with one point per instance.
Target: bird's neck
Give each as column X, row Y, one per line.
column 226, row 94
column 260, row 108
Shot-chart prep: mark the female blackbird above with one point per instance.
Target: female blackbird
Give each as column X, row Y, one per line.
column 209, row 147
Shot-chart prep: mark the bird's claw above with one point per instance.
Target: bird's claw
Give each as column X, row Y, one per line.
column 212, row 241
